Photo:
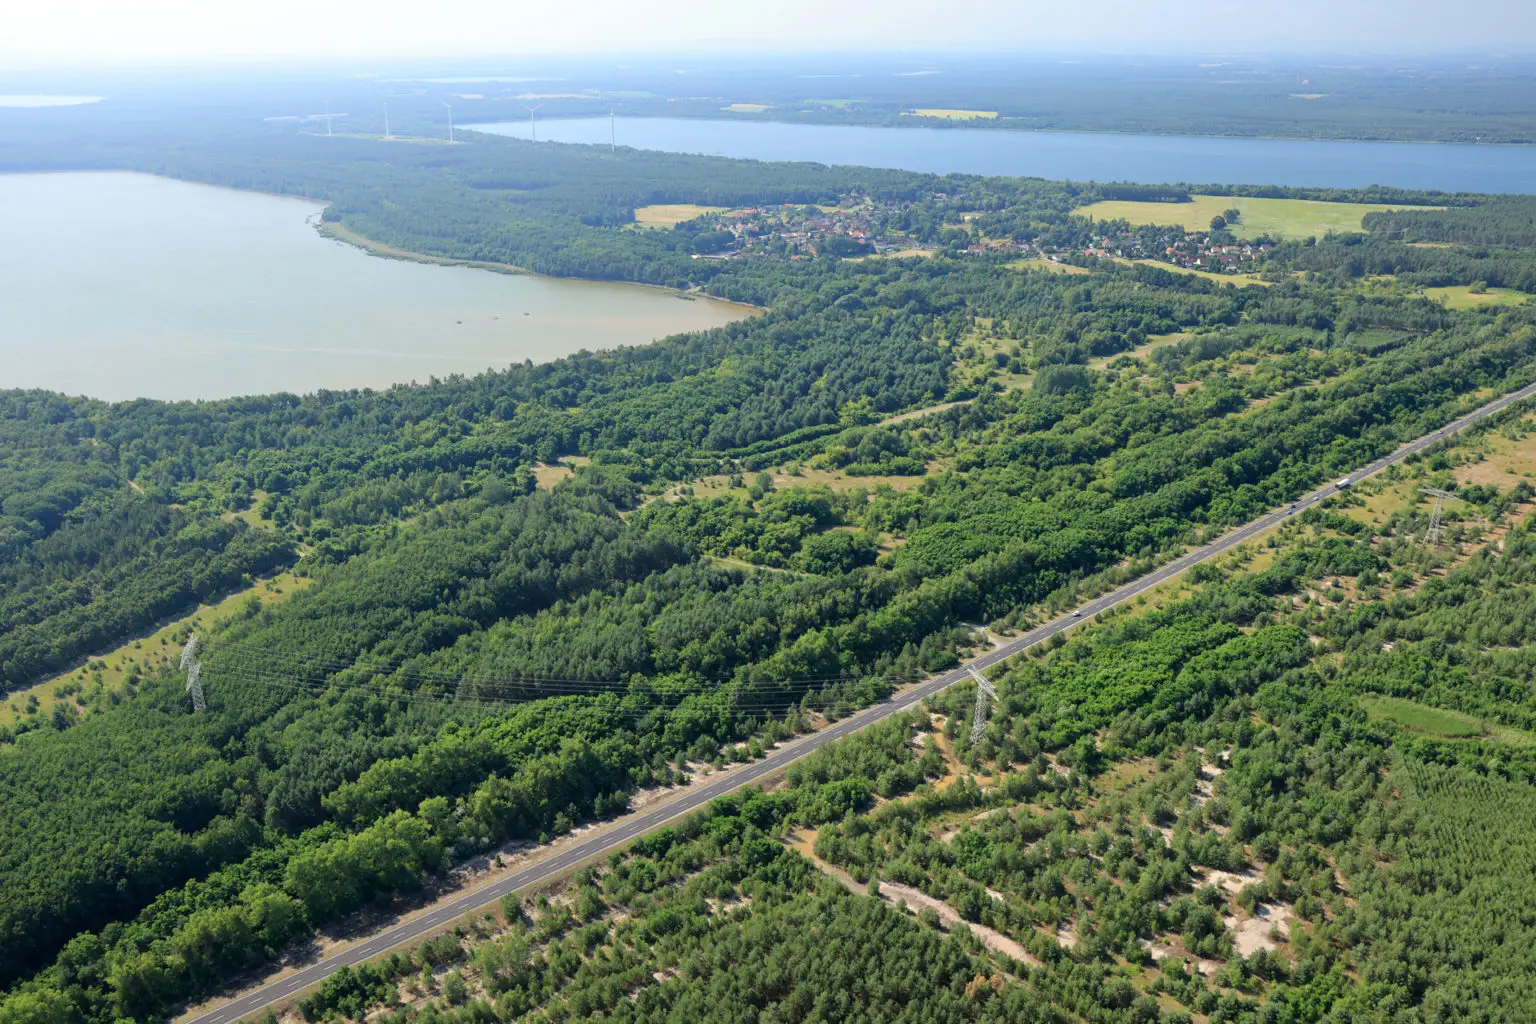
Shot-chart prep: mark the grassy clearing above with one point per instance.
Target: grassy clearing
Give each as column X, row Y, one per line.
column 666, row 215
column 1291, row 218
column 748, row 108
column 1037, row 263
column 1440, row 723
column 109, row 672
column 1499, row 460
column 1240, row 279
column 914, row 414
column 546, row 477
column 1141, row 351
column 718, row 486
column 1463, row 297
column 954, row 114
column 976, row 359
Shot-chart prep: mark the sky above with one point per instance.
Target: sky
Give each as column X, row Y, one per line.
column 112, row 31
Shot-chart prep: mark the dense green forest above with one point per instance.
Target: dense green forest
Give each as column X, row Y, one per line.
column 1283, row 792
column 751, row 540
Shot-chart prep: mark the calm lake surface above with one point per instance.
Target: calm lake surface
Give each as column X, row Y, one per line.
column 121, row 285
column 1079, row 156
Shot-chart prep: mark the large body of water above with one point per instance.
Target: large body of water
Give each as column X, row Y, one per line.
column 1078, row 156
column 121, row 285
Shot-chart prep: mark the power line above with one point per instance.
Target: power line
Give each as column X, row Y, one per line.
column 190, row 665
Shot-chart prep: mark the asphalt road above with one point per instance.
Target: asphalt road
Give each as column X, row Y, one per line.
column 641, row 823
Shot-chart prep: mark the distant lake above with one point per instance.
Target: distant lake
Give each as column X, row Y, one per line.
column 121, row 285
column 1078, row 156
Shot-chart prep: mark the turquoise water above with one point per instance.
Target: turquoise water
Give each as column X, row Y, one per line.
column 1078, row 156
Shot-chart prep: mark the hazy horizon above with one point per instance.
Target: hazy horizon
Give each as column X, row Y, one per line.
column 85, row 33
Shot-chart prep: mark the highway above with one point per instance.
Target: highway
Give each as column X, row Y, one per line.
column 693, row 799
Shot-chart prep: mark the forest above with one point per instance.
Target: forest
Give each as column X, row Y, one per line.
column 1281, row 791
column 754, row 531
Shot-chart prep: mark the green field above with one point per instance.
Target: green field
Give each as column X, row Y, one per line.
column 1440, row 723
column 1207, row 274
column 1463, row 297
column 1451, row 725
column 1290, row 218
column 1036, row 263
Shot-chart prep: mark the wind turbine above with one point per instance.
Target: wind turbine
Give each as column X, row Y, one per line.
column 450, row 121
column 327, row 118
column 612, row 133
column 533, row 127
column 387, row 136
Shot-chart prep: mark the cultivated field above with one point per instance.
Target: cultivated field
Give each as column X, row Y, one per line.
column 952, row 114
column 1289, row 218
column 666, row 215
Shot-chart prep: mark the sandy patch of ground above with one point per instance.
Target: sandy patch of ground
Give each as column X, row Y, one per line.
column 1251, row 935
column 1162, row 950
column 895, row 893
column 1230, row 882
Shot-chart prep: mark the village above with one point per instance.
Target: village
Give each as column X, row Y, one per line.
column 1211, row 251
column 861, row 226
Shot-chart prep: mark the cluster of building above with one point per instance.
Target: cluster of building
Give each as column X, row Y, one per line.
column 1195, row 250
column 857, row 226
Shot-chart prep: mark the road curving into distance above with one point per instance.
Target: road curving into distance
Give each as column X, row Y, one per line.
column 552, row 867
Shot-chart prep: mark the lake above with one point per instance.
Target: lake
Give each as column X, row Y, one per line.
column 1079, row 156
column 120, row 285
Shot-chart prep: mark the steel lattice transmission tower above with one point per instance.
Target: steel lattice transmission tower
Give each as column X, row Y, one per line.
column 1432, row 535
column 194, row 671
column 985, row 694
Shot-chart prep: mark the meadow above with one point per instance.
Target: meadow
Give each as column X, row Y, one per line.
column 1462, row 296
column 1283, row 218
column 666, row 215
column 1422, row 718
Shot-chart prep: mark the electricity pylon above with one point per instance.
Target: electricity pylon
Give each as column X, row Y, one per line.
column 194, row 671
column 985, row 693
column 1432, row 535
